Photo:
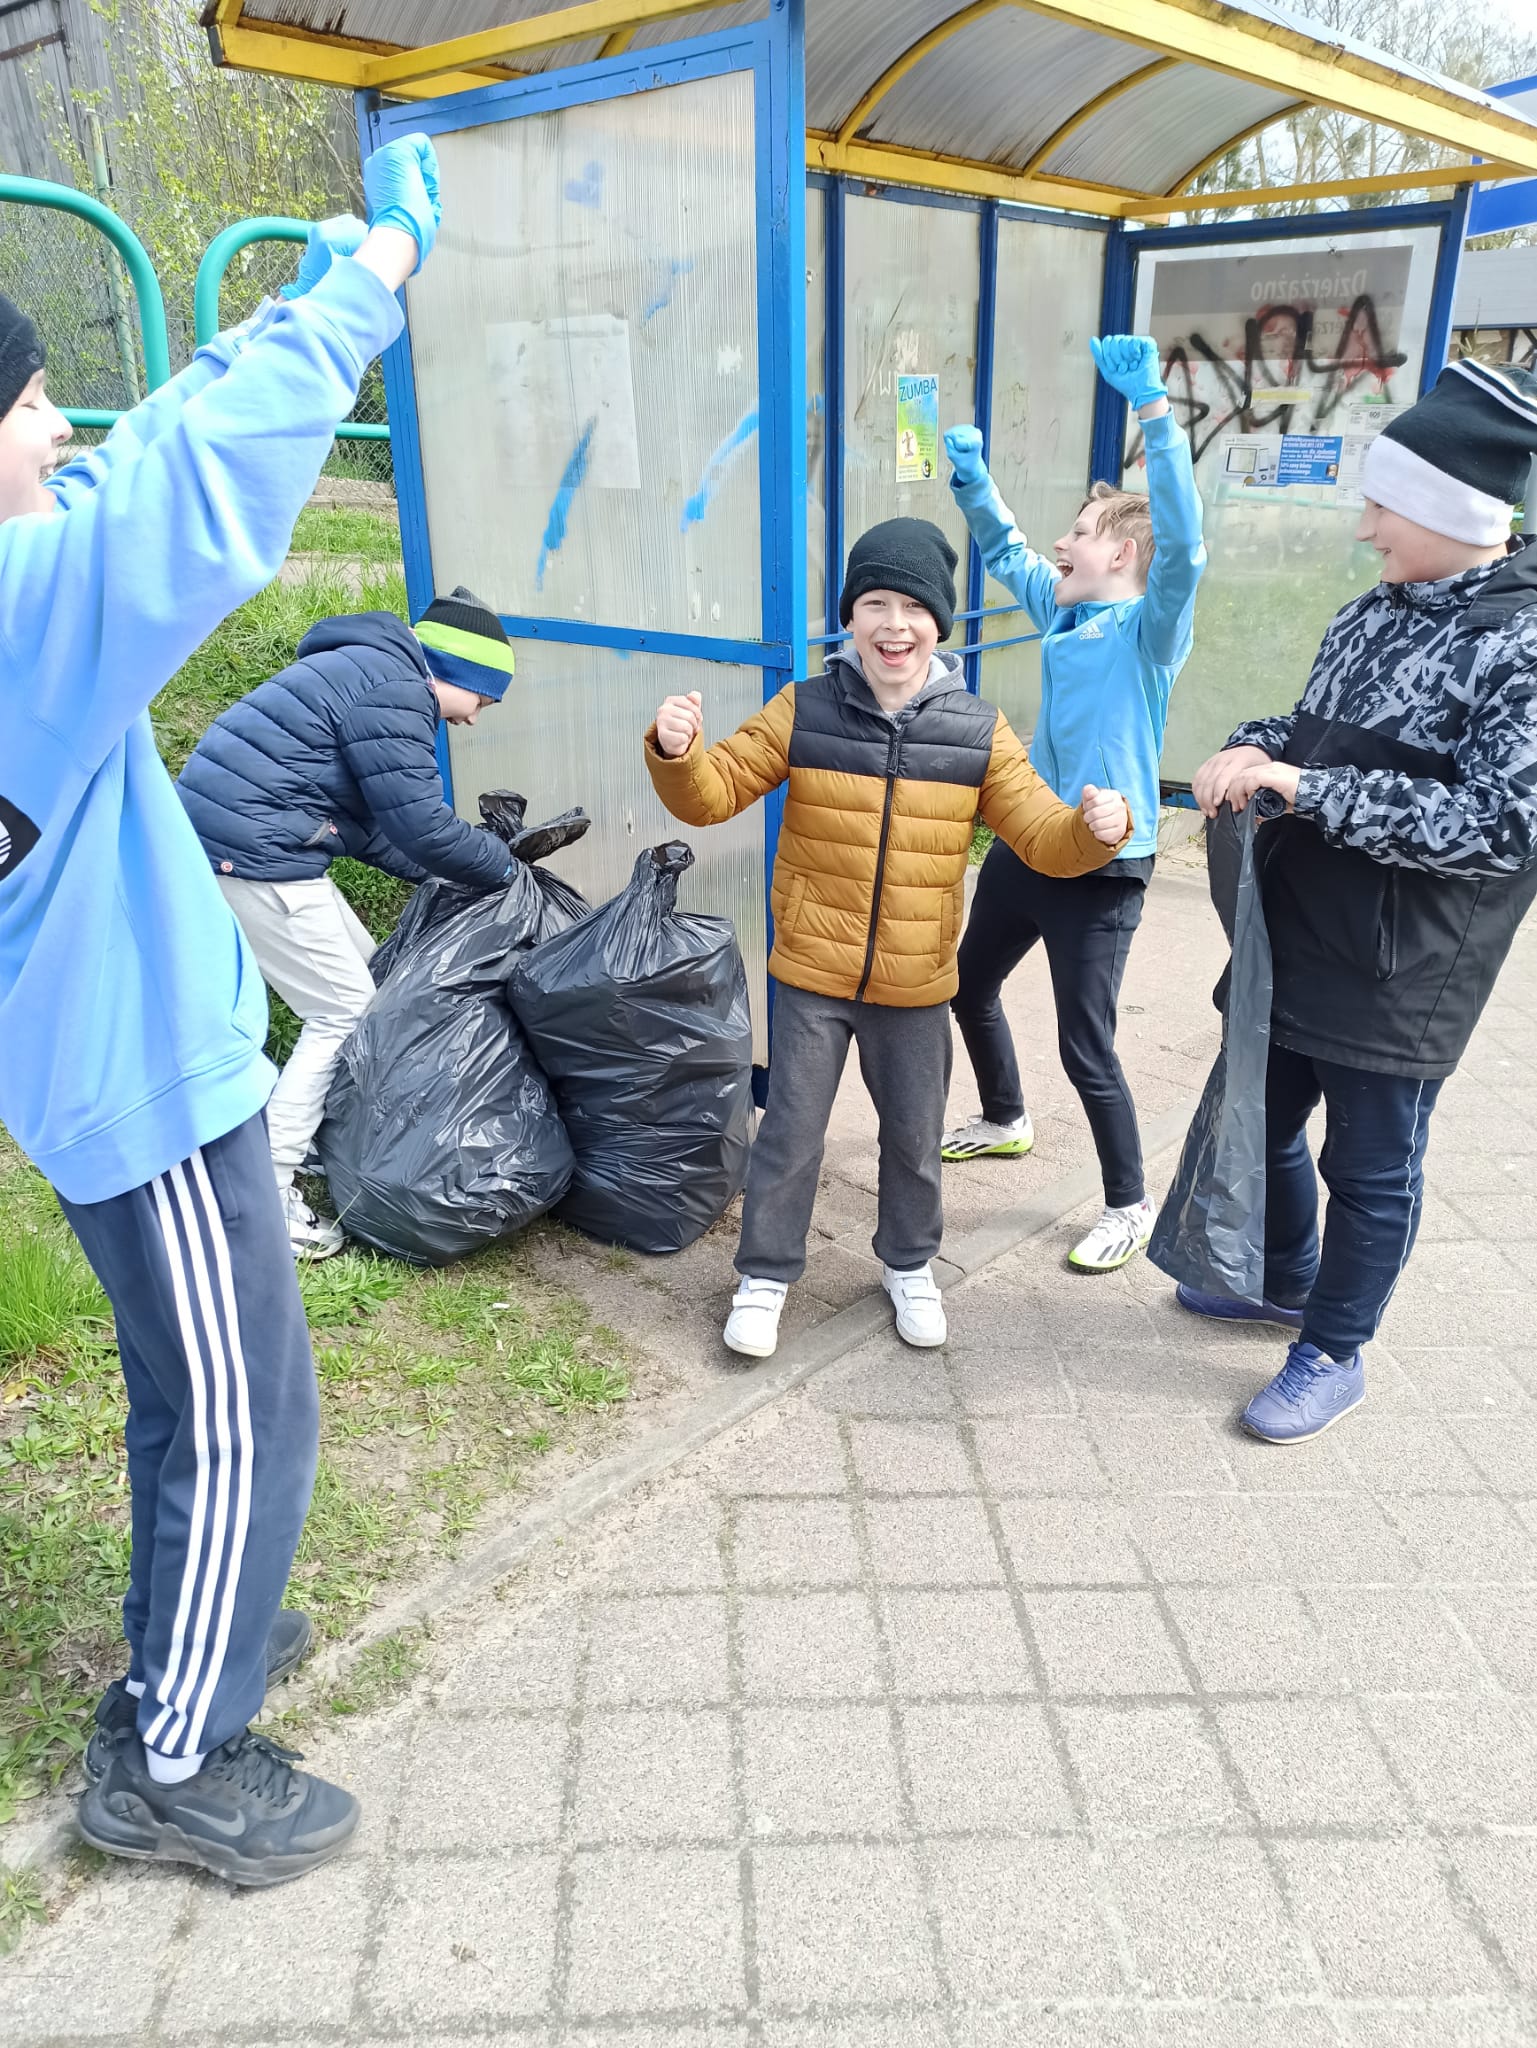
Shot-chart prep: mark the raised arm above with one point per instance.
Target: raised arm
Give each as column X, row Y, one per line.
column 707, row 785
column 1028, row 577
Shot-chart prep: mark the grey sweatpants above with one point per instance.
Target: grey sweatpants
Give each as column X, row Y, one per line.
column 904, row 1059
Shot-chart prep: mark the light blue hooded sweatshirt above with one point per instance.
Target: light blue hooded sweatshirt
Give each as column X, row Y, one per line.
column 132, row 1015
column 1107, row 670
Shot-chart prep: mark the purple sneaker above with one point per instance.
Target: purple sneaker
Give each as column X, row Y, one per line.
column 1307, row 1395
column 1222, row 1308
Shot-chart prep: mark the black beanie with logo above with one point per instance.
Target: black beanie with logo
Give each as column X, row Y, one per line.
column 21, row 353
column 909, row 555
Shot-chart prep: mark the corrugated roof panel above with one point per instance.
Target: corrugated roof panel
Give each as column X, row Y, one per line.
column 1001, row 87
column 710, row 23
column 849, row 43
column 1496, row 288
column 1152, row 135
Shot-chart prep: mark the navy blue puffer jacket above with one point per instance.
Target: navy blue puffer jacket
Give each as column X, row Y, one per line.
column 335, row 755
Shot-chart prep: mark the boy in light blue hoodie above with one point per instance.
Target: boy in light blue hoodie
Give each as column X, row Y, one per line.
column 1115, row 613
column 132, row 1016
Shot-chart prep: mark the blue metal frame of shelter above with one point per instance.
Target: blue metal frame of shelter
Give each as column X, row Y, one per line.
column 1494, row 208
column 772, row 50
column 988, row 212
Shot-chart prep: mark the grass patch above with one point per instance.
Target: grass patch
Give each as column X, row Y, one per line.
column 439, row 1391
column 344, row 530
column 380, row 1672
column 982, row 837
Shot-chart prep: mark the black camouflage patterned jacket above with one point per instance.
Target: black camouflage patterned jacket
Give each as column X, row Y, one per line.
column 1394, row 891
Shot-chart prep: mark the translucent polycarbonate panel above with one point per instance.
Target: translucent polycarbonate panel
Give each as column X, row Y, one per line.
column 1050, row 281
column 816, row 411
column 586, row 359
column 1284, row 360
column 569, row 732
column 911, row 279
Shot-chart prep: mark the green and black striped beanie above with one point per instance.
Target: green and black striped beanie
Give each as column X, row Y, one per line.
column 466, row 643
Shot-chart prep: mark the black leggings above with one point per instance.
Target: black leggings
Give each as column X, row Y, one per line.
column 1087, row 923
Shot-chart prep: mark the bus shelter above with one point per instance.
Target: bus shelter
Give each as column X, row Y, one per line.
column 713, row 282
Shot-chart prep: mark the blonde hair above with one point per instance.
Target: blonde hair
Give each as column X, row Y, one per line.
column 1127, row 516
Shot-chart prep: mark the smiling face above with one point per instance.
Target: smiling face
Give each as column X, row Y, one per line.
column 1095, row 566
column 33, row 435
column 1416, row 554
column 894, row 637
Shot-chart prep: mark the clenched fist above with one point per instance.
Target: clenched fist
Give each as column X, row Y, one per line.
column 677, row 723
column 1105, row 814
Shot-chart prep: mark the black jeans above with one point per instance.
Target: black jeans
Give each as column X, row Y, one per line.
column 1086, row 923
column 1373, row 1164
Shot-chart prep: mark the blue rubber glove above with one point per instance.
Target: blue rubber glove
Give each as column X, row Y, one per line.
column 400, row 183
column 1129, row 364
column 341, row 236
column 963, row 445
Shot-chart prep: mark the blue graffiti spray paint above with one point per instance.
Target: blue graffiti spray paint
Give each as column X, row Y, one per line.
column 587, row 190
column 662, row 297
column 716, row 469
column 572, row 479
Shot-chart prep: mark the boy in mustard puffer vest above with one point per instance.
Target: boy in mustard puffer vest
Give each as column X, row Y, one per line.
column 889, row 760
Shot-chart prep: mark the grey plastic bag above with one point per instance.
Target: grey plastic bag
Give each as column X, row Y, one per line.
column 1210, row 1233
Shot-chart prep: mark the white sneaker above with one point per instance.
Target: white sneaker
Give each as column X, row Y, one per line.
column 309, row 1236
column 753, row 1324
column 920, row 1312
column 979, row 1139
column 1116, row 1238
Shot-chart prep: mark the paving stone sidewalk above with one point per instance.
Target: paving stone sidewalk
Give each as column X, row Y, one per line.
column 1003, row 1695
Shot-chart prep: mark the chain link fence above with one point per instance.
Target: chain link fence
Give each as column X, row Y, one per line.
column 64, row 273
column 358, row 472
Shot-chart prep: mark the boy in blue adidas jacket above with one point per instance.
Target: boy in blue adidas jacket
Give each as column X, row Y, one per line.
column 1115, row 613
column 132, row 1016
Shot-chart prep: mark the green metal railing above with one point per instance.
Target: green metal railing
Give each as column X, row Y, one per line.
column 141, row 272
column 153, row 337
column 220, row 253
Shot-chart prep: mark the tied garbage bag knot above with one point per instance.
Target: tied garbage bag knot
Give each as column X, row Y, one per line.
column 441, row 1135
column 1210, row 1233
column 639, row 1017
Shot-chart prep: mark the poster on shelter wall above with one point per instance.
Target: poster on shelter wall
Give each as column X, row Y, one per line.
column 1287, row 347
column 558, row 384
column 917, row 429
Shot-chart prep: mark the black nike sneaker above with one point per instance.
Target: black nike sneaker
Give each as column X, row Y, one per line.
column 117, row 1710
column 248, row 1815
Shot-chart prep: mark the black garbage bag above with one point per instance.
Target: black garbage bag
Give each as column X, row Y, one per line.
column 441, row 1135
column 436, row 902
column 639, row 1016
column 1210, row 1232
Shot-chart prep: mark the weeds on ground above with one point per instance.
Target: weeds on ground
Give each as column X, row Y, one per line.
column 348, row 531
column 21, row 1902
column 438, row 1392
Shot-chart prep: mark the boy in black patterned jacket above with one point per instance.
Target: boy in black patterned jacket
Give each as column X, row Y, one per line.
column 1398, row 856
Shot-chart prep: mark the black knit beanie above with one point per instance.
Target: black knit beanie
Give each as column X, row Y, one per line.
column 1458, row 462
column 467, row 643
column 910, row 555
column 21, row 354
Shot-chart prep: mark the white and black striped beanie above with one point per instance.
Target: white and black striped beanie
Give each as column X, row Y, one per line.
column 1458, row 462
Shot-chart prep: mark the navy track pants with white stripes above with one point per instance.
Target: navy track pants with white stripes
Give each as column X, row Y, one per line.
column 222, row 1427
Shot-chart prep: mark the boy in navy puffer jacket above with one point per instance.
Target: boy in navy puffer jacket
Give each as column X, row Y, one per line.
column 1115, row 612
column 337, row 754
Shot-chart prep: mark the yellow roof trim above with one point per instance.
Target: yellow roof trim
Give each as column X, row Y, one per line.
column 1328, row 188
column 882, row 163
column 321, row 60
column 543, row 31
